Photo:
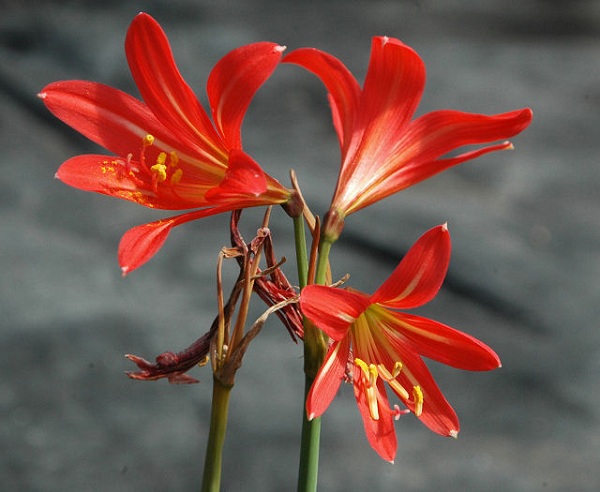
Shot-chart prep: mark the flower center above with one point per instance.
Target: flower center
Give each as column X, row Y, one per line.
column 160, row 170
column 369, row 375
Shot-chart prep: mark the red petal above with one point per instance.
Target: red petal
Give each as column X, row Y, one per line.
column 103, row 174
column 441, row 342
column 140, row 244
column 380, row 433
column 344, row 91
column 435, row 134
column 391, row 93
column 437, row 413
column 328, row 380
column 332, row 310
column 406, row 175
column 164, row 89
column 244, row 178
column 119, row 178
column 111, row 118
column 420, row 274
column 233, row 82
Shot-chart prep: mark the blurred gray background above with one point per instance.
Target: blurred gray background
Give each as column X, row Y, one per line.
column 524, row 275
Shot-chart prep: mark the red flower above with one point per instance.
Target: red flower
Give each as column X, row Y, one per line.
column 169, row 153
column 383, row 150
column 387, row 345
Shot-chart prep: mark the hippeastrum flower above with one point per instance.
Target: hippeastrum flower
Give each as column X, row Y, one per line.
column 374, row 344
column 383, row 149
column 169, row 155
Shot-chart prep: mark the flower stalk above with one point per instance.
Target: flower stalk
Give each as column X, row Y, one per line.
column 211, row 480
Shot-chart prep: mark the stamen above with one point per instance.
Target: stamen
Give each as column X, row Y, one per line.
column 391, row 380
column 159, row 171
column 418, row 397
column 369, row 378
column 162, row 158
column 397, row 369
column 176, row 176
column 148, row 140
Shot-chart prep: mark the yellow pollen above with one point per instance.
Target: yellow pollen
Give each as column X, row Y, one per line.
column 176, row 176
column 160, row 171
column 148, row 140
column 397, row 369
column 162, row 158
column 418, row 397
column 369, row 374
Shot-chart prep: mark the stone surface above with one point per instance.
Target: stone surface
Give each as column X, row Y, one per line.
column 524, row 274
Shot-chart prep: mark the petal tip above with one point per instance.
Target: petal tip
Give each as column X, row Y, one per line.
column 453, row 433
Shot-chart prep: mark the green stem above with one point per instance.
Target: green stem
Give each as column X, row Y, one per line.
column 315, row 348
column 309, row 450
column 323, row 261
column 211, row 481
column 301, row 252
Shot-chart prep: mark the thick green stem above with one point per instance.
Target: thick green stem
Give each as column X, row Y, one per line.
column 315, row 348
column 211, row 481
column 323, row 261
column 309, row 450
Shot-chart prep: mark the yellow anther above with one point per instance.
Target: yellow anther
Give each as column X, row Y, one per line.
column 362, row 364
column 391, row 380
column 174, row 158
column 176, row 176
column 160, row 171
column 162, row 158
column 370, row 374
column 148, row 140
column 418, row 398
column 397, row 369
column 369, row 370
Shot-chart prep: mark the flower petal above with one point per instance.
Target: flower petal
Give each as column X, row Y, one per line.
column 391, row 93
column 419, row 276
column 328, row 379
column 437, row 414
column 141, row 243
column 108, row 175
column 440, row 342
column 244, row 178
column 123, row 179
column 332, row 310
column 344, row 91
column 380, row 433
column 163, row 88
column 233, row 82
column 417, row 154
column 109, row 117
